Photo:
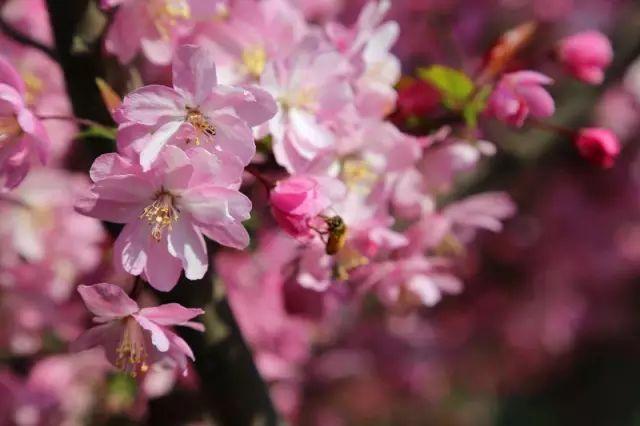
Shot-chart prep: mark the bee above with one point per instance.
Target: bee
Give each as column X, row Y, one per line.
column 337, row 231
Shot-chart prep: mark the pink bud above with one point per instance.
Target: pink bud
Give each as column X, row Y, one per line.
column 599, row 146
column 520, row 94
column 586, row 55
column 297, row 200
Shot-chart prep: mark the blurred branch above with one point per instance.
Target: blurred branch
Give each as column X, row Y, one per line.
column 20, row 37
column 232, row 387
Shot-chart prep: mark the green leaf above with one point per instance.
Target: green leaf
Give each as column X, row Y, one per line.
column 102, row 132
column 475, row 106
column 454, row 86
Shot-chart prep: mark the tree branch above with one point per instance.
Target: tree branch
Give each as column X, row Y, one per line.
column 232, row 387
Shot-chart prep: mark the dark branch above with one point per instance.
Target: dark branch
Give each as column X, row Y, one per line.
column 232, row 388
column 20, row 37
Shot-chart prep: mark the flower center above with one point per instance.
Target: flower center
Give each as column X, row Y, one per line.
column 357, row 174
column 34, row 87
column 161, row 214
column 166, row 14
column 254, row 59
column 304, row 98
column 200, row 123
column 131, row 356
column 9, row 127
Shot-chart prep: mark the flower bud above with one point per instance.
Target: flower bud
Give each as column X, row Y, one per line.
column 586, row 55
column 599, row 146
column 297, row 200
column 520, row 94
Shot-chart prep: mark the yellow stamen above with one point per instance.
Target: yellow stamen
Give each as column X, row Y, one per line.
column 34, row 86
column 166, row 14
column 254, row 60
column 9, row 127
column 357, row 174
column 131, row 356
column 161, row 214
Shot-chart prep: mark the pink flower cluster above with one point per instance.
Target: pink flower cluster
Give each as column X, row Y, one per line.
column 284, row 130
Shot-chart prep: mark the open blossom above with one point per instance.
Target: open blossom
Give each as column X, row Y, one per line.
column 586, row 55
column 298, row 200
column 367, row 44
column 312, row 89
column 254, row 34
column 599, row 146
column 520, row 94
column 168, row 209
column 155, row 27
column 134, row 338
column 196, row 111
column 23, row 139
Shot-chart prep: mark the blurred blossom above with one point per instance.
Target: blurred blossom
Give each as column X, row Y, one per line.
column 586, row 55
column 389, row 255
column 598, row 146
column 519, row 95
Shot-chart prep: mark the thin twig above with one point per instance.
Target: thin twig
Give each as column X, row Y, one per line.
column 20, row 37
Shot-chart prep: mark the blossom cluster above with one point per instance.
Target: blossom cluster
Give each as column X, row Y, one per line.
column 270, row 144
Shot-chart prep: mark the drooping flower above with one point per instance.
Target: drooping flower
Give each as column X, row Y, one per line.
column 134, row 338
column 520, row 94
column 586, row 55
column 168, row 209
column 298, row 200
column 196, row 111
column 23, row 139
column 599, row 146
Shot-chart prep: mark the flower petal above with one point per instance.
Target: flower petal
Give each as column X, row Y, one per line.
column 158, row 337
column 162, row 270
column 187, row 244
column 149, row 105
column 130, row 249
column 170, row 314
column 194, row 73
column 107, row 300
column 157, row 141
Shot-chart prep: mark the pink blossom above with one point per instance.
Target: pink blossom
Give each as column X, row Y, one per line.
column 586, row 55
column 155, row 27
column 599, row 146
column 195, row 111
column 298, row 200
column 367, row 44
column 168, row 209
column 312, row 89
column 520, row 94
column 40, row 221
column 23, row 139
column 255, row 34
column 133, row 338
column 413, row 280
